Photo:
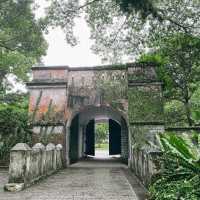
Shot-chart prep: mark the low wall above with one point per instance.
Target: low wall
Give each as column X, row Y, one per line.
column 144, row 161
column 143, row 156
column 183, row 130
column 144, row 164
column 28, row 165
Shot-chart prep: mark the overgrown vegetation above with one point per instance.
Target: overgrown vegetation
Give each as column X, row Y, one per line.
column 122, row 29
column 131, row 28
column 21, row 39
column 178, row 66
column 22, row 44
column 13, row 125
column 101, row 134
column 179, row 176
column 113, row 88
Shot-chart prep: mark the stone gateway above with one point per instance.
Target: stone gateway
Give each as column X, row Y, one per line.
column 66, row 102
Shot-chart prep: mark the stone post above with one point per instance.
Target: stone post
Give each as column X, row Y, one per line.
column 34, row 170
column 41, row 158
column 19, row 168
column 50, row 158
column 29, row 165
column 59, row 159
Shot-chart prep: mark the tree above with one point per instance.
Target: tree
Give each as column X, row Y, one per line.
column 179, row 68
column 14, row 127
column 123, row 28
column 195, row 102
column 21, row 39
column 143, row 7
column 101, row 132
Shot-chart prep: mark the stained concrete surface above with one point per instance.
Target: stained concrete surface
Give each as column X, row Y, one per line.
column 89, row 179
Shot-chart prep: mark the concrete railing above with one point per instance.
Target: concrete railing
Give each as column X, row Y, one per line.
column 28, row 165
column 144, row 164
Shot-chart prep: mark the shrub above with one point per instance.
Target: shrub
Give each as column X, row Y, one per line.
column 13, row 128
column 179, row 176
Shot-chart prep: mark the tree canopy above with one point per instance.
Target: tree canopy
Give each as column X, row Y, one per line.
column 125, row 28
column 21, row 38
column 178, row 64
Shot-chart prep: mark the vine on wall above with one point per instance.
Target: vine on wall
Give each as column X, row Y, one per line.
column 145, row 104
column 113, row 86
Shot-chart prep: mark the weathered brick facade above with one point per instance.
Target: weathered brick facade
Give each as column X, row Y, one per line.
column 129, row 94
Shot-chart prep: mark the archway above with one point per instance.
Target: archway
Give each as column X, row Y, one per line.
column 82, row 132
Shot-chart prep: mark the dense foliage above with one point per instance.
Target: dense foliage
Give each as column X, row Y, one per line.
column 21, row 45
column 179, row 177
column 101, row 133
column 122, row 29
column 144, row 7
column 21, row 39
column 178, row 66
column 13, row 125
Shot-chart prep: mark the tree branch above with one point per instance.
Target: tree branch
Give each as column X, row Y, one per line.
column 119, row 30
column 7, row 48
column 164, row 18
column 87, row 4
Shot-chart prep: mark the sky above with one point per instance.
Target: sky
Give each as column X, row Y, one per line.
column 61, row 53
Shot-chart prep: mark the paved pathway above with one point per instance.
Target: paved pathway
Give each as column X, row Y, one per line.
column 85, row 180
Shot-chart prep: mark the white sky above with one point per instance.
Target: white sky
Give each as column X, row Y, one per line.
column 61, row 53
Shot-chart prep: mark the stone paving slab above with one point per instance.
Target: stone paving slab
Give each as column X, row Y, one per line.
column 79, row 182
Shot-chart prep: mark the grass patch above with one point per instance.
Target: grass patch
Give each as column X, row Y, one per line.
column 104, row 146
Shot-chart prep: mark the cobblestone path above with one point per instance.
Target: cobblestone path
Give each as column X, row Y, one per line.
column 85, row 180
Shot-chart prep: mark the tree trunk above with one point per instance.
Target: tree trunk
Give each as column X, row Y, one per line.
column 188, row 113
column 2, row 76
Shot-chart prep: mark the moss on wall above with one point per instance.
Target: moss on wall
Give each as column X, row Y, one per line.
column 145, row 104
column 113, row 87
column 138, row 136
column 140, row 73
column 144, row 135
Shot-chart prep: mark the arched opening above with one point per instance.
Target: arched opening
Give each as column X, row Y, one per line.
column 102, row 138
column 113, row 135
column 82, row 133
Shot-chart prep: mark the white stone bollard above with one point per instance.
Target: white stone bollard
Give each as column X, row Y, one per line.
column 19, row 169
column 34, row 164
column 59, row 156
column 28, row 165
column 50, row 158
column 39, row 148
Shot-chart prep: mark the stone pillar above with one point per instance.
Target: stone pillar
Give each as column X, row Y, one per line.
column 124, row 141
column 29, row 165
column 35, row 164
column 51, row 158
column 59, row 157
column 40, row 149
column 19, row 168
column 19, row 163
column 67, row 163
